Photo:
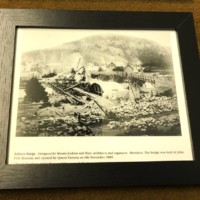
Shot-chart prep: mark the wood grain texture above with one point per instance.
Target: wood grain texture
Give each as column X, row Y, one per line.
column 165, row 193
column 6, row 53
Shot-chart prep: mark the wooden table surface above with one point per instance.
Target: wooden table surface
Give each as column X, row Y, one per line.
column 178, row 192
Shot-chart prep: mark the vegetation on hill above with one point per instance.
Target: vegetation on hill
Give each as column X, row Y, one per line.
column 102, row 50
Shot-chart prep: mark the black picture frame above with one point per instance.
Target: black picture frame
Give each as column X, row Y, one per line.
column 99, row 174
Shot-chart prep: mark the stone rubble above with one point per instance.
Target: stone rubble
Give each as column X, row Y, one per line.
column 65, row 126
column 154, row 106
column 143, row 117
column 147, row 124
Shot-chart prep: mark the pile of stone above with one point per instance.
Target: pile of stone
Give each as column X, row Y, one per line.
column 115, row 124
column 63, row 121
column 151, row 124
column 65, row 126
column 143, row 108
column 90, row 118
column 147, row 124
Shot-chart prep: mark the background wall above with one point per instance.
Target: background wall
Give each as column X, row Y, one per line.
column 178, row 192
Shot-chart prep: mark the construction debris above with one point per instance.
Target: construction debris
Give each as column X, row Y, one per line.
column 154, row 106
column 148, row 126
column 76, row 110
column 67, row 126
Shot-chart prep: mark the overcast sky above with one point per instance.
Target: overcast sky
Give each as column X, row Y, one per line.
column 36, row 38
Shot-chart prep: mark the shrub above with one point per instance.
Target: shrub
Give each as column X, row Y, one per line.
column 35, row 92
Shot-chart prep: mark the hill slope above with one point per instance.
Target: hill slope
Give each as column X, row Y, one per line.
column 102, row 50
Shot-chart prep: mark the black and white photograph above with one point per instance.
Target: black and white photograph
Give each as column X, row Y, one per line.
column 100, row 83
column 120, row 89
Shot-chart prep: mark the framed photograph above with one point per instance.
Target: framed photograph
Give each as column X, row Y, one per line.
column 95, row 99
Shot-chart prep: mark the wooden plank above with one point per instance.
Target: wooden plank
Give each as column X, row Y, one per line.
column 103, row 102
column 68, row 94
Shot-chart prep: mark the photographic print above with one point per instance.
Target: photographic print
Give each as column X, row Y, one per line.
column 97, row 83
column 121, row 90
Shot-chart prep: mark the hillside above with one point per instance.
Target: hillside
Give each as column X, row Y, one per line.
column 101, row 50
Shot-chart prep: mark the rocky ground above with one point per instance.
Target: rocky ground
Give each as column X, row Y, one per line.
column 166, row 125
column 153, row 106
column 155, row 116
